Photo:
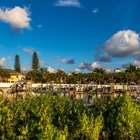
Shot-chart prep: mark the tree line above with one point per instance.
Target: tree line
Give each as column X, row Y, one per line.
column 97, row 76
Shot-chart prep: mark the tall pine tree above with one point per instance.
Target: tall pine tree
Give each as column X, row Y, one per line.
column 35, row 61
column 17, row 64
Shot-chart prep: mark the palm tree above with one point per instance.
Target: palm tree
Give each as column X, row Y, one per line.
column 99, row 70
column 94, row 77
column 79, row 77
column 52, row 77
column 121, row 76
column 100, row 76
column 32, row 75
column 110, row 77
column 65, row 76
column 60, row 75
column 72, row 78
column 47, row 75
column 5, row 75
column 1, row 74
column 132, row 77
column 42, row 73
column 89, row 77
column 69, row 78
column 131, row 69
column 127, row 77
column 84, row 78
column 137, row 77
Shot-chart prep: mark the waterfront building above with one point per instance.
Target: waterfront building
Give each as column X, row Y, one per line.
column 117, row 70
column 14, row 76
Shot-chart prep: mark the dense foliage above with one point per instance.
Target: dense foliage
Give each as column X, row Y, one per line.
column 57, row 118
column 35, row 61
column 4, row 75
column 17, row 64
column 98, row 76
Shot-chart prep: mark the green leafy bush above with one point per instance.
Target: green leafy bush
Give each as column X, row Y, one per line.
column 57, row 118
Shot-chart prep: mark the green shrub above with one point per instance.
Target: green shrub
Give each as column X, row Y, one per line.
column 57, row 118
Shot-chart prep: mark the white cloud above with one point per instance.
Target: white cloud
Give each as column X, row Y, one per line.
column 75, row 71
column 95, row 65
column 70, row 61
column 51, row 70
column 85, row 65
column 18, row 18
column 89, row 66
column 122, row 44
column 64, row 61
column 9, row 57
column 28, row 51
column 31, row 48
column 57, row 58
column 74, row 3
column 26, row 69
column 125, row 65
column 107, row 69
column 41, row 63
column 92, row 66
column 47, row 63
column 38, row 53
column 2, row 62
column 105, row 58
column 39, row 26
column 136, row 63
column 95, row 10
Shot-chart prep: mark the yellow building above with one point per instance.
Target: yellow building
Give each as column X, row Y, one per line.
column 117, row 70
column 15, row 76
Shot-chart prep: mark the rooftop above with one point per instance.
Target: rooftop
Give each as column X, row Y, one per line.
column 11, row 71
column 118, row 69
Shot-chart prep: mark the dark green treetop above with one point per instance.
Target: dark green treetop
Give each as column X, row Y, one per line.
column 35, row 61
column 17, row 64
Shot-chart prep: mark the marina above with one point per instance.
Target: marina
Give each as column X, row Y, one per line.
column 86, row 92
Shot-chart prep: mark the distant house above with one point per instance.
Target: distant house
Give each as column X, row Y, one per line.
column 117, row 70
column 14, row 76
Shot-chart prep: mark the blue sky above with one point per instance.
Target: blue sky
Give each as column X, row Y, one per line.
column 73, row 35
